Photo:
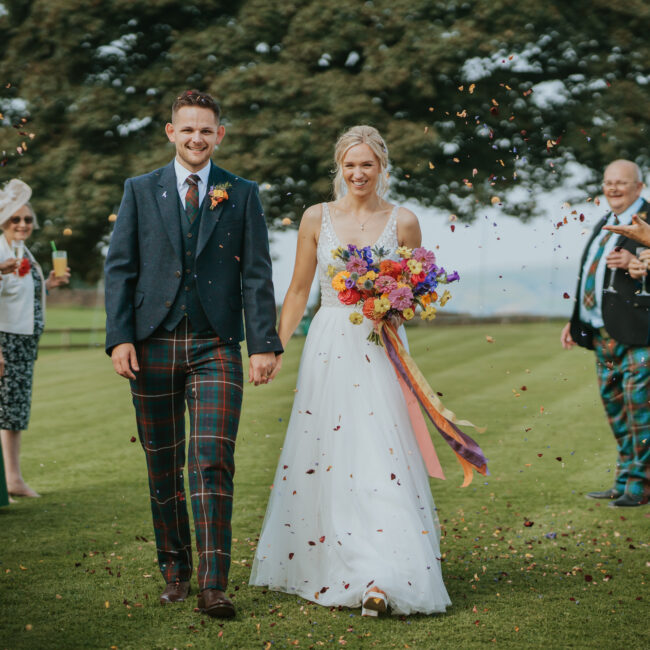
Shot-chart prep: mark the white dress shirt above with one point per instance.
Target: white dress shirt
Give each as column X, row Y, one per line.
column 595, row 316
column 181, row 180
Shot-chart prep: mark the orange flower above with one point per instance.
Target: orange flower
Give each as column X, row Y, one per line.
column 389, row 267
column 216, row 197
column 369, row 308
column 349, row 297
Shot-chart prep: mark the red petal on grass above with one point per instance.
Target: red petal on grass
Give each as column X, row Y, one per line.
column 291, row 556
column 132, row 438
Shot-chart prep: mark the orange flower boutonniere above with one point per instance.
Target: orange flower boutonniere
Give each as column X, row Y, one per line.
column 218, row 194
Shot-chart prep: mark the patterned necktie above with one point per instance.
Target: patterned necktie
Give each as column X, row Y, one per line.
column 192, row 197
column 589, row 293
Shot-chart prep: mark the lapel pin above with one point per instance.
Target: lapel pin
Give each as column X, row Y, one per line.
column 164, row 194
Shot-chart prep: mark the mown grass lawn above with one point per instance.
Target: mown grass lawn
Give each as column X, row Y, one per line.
column 528, row 561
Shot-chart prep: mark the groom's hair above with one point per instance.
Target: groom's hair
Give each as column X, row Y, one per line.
column 197, row 98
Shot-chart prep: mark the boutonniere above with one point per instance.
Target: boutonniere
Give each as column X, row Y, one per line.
column 24, row 268
column 217, row 194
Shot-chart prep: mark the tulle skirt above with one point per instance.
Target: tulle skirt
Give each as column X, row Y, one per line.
column 351, row 503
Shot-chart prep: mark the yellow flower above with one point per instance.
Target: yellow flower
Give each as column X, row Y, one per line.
column 429, row 313
column 445, row 298
column 426, row 299
column 405, row 252
column 408, row 313
column 414, row 266
column 382, row 305
column 338, row 281
column 356, row 318
column 336, row 252
column 331, row 270
column 371, row 275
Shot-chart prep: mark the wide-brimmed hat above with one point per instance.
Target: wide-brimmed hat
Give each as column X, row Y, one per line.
column 13, row 196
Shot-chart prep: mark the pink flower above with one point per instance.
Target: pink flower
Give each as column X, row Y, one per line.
column 426, row 257
column 401, row 298
column 385, row 283
column 356, row 265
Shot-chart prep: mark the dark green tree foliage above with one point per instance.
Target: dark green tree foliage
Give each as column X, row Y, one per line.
column 474, row 97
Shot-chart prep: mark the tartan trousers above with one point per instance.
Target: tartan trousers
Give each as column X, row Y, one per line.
column 176, row 368
column 624, row 382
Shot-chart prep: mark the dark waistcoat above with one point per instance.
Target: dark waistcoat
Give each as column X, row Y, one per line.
column 187, row 302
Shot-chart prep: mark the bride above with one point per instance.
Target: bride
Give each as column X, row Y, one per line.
column 351, row 520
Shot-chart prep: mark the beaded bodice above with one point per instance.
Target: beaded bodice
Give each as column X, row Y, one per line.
column 328, row 241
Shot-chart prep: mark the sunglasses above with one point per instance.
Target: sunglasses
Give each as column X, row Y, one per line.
column 27, row 220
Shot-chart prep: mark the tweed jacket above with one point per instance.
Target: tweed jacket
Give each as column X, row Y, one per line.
column 144, row 264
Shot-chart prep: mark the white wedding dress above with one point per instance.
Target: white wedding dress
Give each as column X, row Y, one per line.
column 351, row 502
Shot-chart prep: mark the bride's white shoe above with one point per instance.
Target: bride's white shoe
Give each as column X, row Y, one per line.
column 375, row 602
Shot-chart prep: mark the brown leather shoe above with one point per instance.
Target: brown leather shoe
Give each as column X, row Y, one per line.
column 175, row 592
column 213, row 602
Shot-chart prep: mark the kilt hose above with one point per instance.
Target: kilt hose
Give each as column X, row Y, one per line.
column 178, row 367
column 624, row 382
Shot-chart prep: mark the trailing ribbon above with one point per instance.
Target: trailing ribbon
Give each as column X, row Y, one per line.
column 468, row 452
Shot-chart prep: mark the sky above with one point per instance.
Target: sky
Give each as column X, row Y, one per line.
column 506, row 266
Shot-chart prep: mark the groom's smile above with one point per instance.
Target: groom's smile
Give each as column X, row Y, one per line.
column 196, row 132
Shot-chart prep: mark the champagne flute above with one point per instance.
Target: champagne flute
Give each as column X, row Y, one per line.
column 18, row 249
column 644, row 291
column 612, row 274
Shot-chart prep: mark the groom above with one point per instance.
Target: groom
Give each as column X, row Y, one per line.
column 189, row 251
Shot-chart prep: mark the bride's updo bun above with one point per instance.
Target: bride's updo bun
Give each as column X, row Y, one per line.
column 361, row 134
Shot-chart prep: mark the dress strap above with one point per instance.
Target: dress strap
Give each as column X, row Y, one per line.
column 326, row 227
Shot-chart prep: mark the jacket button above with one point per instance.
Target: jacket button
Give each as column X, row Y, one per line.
column 189, row 235
column 178, row 274
column 183, row 307
column 168, row 303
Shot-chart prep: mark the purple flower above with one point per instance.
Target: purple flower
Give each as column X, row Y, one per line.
column 429, row 284
column 452, row 277
column 351, row 282
column 385, row 283
column 356, row 265
column 401, row 298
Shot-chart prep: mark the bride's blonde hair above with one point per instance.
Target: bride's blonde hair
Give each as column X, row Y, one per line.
column 361, row 134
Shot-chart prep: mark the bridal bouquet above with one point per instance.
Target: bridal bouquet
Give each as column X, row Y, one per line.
column 385, row 288
column 387, row 291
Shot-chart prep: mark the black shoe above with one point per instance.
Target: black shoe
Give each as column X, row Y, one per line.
column 628, row 501
column 612, row 493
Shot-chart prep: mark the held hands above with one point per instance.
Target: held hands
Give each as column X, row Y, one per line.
column 125, row 360
column 263, row 367
column 54, row 281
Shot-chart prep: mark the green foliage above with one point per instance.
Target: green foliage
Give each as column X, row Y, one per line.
column 448, row 83
column 78, row 565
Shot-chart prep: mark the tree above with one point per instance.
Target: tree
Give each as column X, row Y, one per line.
column 476, row 99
